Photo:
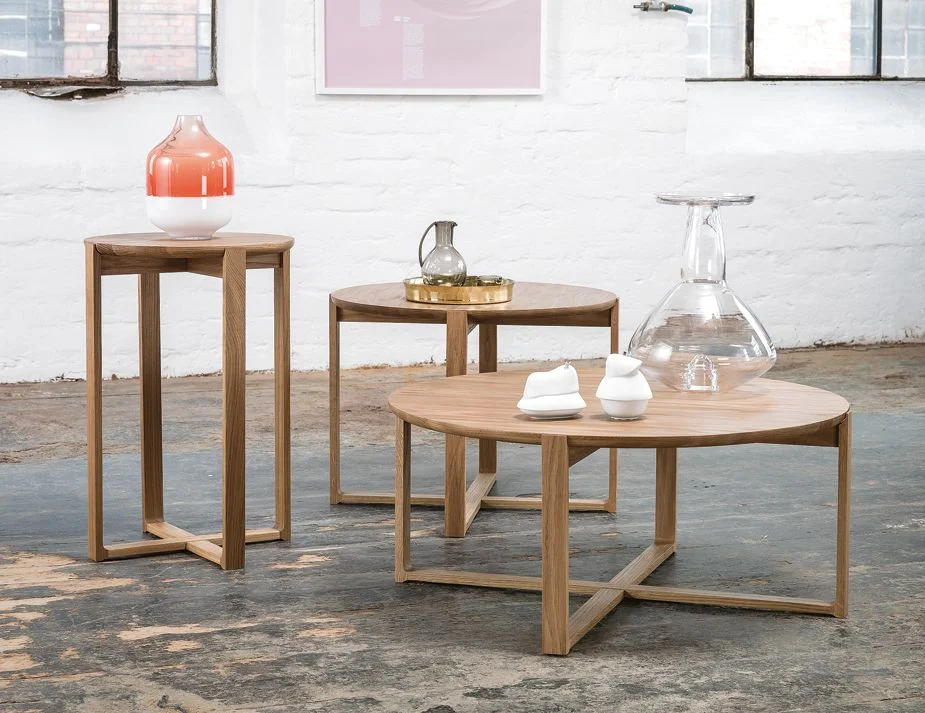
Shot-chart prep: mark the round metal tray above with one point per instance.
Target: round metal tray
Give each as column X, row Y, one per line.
column 472, row 293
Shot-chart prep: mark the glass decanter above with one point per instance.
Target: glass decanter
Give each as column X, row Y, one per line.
column 701, row 337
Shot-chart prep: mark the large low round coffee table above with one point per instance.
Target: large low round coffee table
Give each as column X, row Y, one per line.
column 533, row 304
column 483, row 406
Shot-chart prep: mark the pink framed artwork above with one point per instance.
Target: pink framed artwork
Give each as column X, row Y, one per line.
column 430, row 46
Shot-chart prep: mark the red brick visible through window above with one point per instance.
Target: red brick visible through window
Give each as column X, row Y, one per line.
column 157, row 38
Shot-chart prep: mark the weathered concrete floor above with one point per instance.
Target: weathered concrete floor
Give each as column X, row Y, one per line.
column 318, row 625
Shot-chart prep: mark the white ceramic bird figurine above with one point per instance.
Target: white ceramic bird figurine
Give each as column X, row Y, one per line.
column 552, row 393
column 624, row 391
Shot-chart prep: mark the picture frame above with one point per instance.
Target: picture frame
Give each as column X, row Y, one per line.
column 414, row 47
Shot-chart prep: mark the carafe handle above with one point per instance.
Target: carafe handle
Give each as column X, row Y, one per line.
column 421, row 244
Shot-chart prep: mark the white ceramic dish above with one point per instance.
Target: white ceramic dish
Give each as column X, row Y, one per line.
column 552, row 413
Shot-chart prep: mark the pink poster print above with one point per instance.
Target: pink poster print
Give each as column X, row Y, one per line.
column 431, row 46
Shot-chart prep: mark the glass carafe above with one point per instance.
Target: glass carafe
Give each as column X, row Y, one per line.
column 701, row 337
column 443, row 265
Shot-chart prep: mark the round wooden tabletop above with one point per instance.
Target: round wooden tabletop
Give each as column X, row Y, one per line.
column 485, row 406
column 159, row 244
column 533, row 299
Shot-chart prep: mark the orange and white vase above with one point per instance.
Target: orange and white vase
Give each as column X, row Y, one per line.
column 190, row 182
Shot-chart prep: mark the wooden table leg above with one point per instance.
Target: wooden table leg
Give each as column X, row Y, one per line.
column 334, row 402
column 666, row 495
column 555, row 615
column 233, row 359
column 843, row 527
column 95, row 549
column 457, row 334
column 488, row 362
column 611, row 505
column 281, row 376
column 152, row 448
column 402, row 499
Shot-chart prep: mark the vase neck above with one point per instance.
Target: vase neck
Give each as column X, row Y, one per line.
column 190, row 123
column 703, row 258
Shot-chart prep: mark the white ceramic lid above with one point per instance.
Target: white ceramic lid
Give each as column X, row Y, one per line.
column 624, row 388
column 553, row 402
column 621, row 365
column 561, row 380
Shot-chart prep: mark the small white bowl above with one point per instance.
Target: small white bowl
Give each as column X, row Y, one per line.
column 624, row 410
column 189, row 218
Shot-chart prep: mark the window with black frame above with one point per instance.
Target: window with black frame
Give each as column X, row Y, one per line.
column 106, row 42
column 796, row 39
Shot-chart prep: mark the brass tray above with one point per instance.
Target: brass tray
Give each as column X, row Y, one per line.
column 472, row 293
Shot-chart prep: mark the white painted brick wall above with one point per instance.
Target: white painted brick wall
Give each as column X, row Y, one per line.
column 833, row 249
column 557, row 188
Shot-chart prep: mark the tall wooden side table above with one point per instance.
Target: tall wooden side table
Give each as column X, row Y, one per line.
column 534, row 304
column 227, row 256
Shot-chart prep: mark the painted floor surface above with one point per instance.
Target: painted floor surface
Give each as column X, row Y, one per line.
column 317, row 624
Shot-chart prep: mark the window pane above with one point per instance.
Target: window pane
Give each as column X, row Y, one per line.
column 716, row 39
column 53, row 38
column 894, row 43
column 727, row 12
column 799, row 38
column 917, row 14
column 165, row 39
column 903, row 38
column 863, row 13
column 862, row 51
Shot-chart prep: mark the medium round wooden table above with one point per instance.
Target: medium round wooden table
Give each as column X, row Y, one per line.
column 227, row 256
column 533, row 304
column 483, row 406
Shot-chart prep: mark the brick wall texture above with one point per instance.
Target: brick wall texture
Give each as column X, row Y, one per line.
column 557, row 188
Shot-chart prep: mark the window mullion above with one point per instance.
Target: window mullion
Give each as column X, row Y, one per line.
column 214, row 23
column 112, row 53
column 878, row 38
column 709, row 7
column 749, row 39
